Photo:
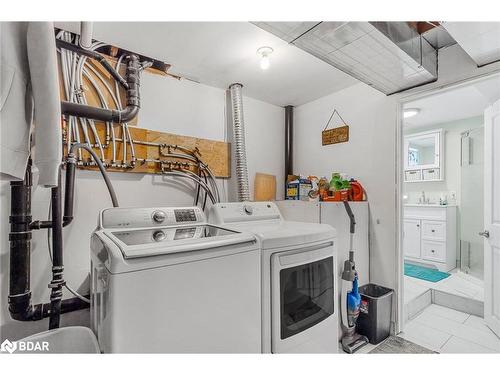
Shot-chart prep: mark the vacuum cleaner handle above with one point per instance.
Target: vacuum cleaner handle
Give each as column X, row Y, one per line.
column 351, row 217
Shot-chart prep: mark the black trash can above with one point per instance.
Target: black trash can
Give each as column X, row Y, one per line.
column 374, row 320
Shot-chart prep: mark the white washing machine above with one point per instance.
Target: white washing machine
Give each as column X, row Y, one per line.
column 299, row 309
column 164, row 281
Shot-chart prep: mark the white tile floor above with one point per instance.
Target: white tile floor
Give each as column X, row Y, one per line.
column 449, row 331
column 458, row 283
column 446, row 330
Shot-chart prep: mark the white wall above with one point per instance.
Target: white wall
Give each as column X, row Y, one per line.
column 368, row 157
column 452, row 144
column 181, row 107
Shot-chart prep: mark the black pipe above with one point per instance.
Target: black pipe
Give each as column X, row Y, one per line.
column 288, row 141
column 69, row 193
column 93, row 55
column 112, row 115
column 57, row 282
column 70, row 305
column 69, row 189
column 19, row 298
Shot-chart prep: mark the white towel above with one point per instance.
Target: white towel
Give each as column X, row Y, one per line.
column 30, row 111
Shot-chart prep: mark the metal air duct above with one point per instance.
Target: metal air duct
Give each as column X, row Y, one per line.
column 239, row 142
column 389, row 56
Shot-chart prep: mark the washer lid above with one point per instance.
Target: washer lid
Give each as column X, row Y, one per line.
column 288, row 233
column 138, row 243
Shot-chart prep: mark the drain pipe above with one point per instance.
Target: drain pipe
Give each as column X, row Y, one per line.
column 21, row 225
column 19, row 298
column 57, row 283
column 239, row 142
column 288, row 141
column 131, row 83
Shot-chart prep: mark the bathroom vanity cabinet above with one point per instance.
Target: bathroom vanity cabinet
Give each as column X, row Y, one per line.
column 430, row 235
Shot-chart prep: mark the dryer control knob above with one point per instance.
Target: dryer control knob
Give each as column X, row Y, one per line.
column 159, row 216
column 248, row 210
column 159, row 236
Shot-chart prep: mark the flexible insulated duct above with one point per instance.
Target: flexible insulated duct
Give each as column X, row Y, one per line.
column 239, row 142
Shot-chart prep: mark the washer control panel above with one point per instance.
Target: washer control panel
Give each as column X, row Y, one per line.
column 248, row 209
column 185, row 215
column 159, row 216
column 118, row 217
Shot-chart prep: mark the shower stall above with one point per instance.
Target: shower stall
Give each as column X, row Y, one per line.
column 471, row 202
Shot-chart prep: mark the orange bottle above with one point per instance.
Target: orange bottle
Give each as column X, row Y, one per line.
column 357, row 191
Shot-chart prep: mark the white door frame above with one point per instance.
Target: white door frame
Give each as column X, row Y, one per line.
column 400, row 180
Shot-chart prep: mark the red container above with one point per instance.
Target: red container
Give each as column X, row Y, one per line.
column 357, row 191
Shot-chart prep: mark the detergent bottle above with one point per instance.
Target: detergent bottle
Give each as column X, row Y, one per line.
column 357, row 191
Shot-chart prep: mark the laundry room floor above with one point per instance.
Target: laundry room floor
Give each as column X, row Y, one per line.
column 446, row 330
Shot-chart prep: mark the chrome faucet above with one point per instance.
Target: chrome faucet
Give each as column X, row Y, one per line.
column 422, row 199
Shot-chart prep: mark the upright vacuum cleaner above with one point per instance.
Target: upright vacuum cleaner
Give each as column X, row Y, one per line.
column 350, row 300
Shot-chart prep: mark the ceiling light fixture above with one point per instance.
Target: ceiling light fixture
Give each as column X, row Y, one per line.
column 410, row 112
column 264, row 53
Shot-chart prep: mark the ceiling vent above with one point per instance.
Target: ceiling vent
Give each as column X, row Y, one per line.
column 480, row 40
column 389, row 56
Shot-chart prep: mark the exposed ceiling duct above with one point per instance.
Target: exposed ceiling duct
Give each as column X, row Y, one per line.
column 389, row 56
column 480, row 40
column 434, row 33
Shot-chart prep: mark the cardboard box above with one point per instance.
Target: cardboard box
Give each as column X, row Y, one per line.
column 298, row 189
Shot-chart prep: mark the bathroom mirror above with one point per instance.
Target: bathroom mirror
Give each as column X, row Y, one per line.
column 422, row 151
column 423, row 156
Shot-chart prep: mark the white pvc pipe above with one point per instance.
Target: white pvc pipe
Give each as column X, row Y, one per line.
column 86, row 34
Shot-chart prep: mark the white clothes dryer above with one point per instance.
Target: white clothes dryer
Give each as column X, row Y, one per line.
column 299, row 309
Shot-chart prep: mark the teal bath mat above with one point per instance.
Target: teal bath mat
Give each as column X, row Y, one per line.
column 424, row 273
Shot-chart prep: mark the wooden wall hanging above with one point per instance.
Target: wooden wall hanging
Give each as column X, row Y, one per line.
column 149, row 145
column 335, row 135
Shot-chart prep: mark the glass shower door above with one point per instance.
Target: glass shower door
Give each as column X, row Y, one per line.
column 471, row 202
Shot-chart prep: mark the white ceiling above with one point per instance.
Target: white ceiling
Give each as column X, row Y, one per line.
column 464, row 102
column 221, row 53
